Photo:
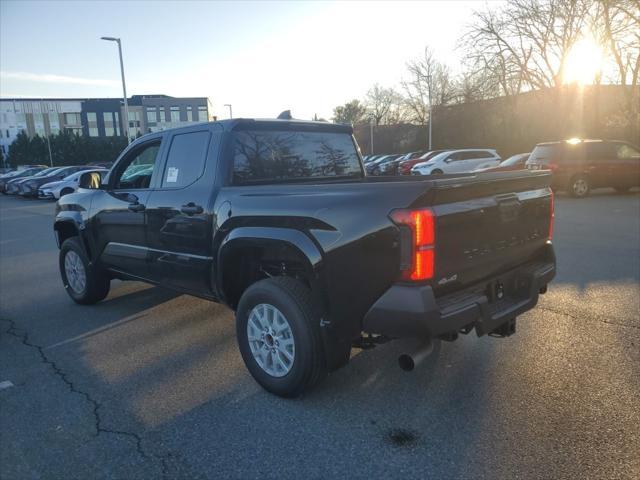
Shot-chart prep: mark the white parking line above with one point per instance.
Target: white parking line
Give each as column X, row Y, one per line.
column 5, row 384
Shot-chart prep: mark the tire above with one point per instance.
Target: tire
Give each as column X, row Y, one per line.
column 66, row 191
column 305, row 365
column 579, row 186
column 437, row 171
column 96, row 282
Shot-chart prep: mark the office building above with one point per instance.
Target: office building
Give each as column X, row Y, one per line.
column 97, row 117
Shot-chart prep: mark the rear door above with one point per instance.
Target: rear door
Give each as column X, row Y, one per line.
column 479, row 158
column 179, row 210
column 626, row 166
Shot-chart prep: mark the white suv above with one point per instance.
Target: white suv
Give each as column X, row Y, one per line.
column 456, row 161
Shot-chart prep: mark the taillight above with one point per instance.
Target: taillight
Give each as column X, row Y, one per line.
column 552, row 166
column 552, row 217
column 417, row 248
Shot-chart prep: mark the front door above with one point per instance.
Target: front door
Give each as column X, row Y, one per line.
column 179, row 211
column 119, row 217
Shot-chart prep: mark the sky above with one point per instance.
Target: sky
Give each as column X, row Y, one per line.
column 261, row 57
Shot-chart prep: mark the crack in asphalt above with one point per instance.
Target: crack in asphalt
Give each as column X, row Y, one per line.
column 576, row 317
column 24, row 338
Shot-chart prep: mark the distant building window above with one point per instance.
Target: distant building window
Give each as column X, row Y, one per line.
column 202, row 114
column 109, row 129
column 54, row 123
column 38, row 124
column 92, row 123
column 163, row 116
column 189, row 113
column 72, row 119
column 175, row 114
column 152, row 115
column 117, row 123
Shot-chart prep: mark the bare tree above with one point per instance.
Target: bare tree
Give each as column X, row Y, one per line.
column 378, row 101
column 428, row 79
column 527, row 42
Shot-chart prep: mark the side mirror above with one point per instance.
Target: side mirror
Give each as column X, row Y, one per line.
column 90, row 180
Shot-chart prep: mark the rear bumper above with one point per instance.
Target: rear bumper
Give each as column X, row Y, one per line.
column 414, row 311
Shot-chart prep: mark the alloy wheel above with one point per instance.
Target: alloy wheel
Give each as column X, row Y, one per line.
column 271, row 340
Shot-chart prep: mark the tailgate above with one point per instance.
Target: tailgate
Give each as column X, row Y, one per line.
column 487, row 223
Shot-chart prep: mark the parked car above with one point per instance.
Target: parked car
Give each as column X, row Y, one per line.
column 457, row 161
column 245, row 213
column 374, row 168
column 390, row 167
column 581, row 165
column 29, row 187
column 16, row 176
column 69, row 184
column 404, row 168
column 515, row 162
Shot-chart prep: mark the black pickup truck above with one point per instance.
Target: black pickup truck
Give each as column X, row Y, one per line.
column 277, row 220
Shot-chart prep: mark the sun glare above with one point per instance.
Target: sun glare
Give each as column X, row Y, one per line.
column 583, row 63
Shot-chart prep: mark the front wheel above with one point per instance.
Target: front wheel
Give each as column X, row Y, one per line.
column 66, row 191
column 579, row 186
column 437, row 171
column 278, row 330
column 84, row 282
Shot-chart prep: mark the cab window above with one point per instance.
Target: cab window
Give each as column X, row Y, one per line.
column 136, row 170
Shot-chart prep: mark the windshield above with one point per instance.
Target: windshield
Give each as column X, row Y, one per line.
column 545, row 152
column 44, row 172
column 521, row 157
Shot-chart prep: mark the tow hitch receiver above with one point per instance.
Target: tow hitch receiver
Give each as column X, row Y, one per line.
column 507, row 329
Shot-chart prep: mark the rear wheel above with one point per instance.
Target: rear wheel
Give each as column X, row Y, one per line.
column 84, row 282
column 579, row 186
column 278, row 330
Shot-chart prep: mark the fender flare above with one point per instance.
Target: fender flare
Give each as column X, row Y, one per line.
column 74, row 220
column 249, row 236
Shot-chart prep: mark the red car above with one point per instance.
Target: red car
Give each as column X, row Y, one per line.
column 405, row 166
column 515, row 162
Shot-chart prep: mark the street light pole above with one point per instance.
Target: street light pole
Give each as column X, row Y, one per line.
column 45, row 130
column 371, row 132
column 230, row 110
column 430, row 111
column 124, row 86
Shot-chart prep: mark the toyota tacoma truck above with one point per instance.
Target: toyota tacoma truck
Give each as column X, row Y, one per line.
column 277, row 220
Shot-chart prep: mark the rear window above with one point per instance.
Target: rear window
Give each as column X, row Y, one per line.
column 262, row 156
column 545, row 152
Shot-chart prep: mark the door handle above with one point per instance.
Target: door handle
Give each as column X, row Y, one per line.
column 136, row 207
column 191, row 209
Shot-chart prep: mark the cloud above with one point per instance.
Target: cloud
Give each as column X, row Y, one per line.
column 62, row 79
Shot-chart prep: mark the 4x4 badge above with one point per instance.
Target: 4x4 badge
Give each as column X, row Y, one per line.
column 445, row 280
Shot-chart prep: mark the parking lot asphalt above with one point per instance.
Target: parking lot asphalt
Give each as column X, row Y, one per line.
column 150, row 383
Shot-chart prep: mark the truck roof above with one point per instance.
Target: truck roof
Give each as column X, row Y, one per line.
column 274, row 124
